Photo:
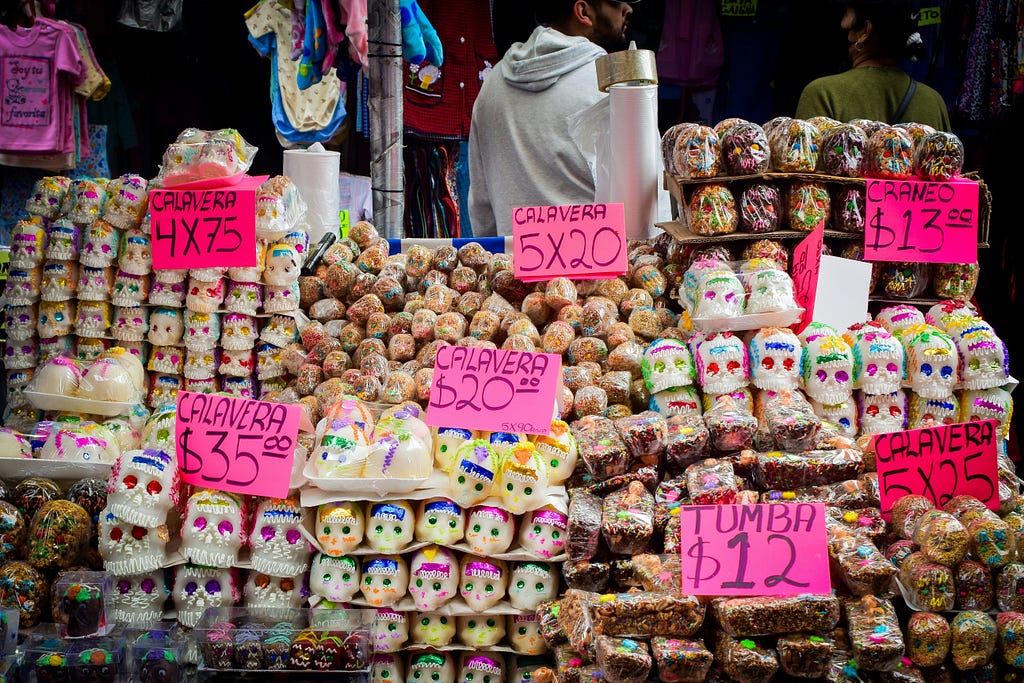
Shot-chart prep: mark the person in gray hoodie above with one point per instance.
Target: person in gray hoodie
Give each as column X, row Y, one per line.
column 520, row 152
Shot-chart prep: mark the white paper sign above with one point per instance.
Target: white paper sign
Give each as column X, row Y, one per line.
column 842, row 297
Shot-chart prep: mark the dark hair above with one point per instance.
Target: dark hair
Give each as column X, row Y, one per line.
column 553, row 11
column 895, row 24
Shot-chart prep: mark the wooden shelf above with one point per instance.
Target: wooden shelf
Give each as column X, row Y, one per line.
column 684, row 234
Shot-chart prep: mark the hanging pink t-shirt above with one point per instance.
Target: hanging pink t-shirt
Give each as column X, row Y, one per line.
column 39, row 67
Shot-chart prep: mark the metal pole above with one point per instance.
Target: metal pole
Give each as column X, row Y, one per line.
column 387, row 172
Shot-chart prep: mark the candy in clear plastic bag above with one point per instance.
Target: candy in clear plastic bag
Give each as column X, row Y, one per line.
column 939, row 156
column 928, row 638
column 746, row 617
column 974, row 639
column 875, row 635
column 601, row 448
column 745, row 660
column 680, row 660
column 696, row 152
column 712, row 482
column 204, row 155
column 584, row 526
column 688, row 440
column 623, row 660
column 643, row 615
column 848, row 209
column 745, row 150
column 795, row 146
column 279, row 208
column 905, row 280
column 712, row 210
column 805, row 655
column 627, row 520
column 731, row 427
column 842, row 151
column 760, row 207
column 928, row 585
column 860, row 564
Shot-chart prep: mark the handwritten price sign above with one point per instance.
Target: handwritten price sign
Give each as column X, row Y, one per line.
column 754, row 549
column 583, row 241
column 236, row 444
column 806, row 267
column 939, row 463
column 485, row 388
column 205, row 228
column 911, row 220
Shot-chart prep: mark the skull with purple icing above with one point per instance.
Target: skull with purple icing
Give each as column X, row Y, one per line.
column 278, row 545
column 484, row 582
column 489, row 530
column 139, row 598
column 434, row 577
column 213, row 533
column 390, row 630
column 543, row 533
column 197, row 588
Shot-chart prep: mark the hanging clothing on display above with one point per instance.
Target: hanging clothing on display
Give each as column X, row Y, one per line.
column 431, row 195
column 991, row 63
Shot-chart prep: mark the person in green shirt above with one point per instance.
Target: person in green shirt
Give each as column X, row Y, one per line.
column 881, row 33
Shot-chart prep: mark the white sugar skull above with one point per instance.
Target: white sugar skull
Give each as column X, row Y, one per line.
column 542, row 533
column 237, row 363
column 278, row 545
column 204, row 296
column 342, row 449
column 484, row 582
column 439, row 520
column 139, row 598
column 63, row 240
column 282, row 266
column 984, row 362
column 402, row 446
column 559, row 451
column 769, row 290
column 130, row 323
column 882, row 413
column 524, row 634
column 239, row 387
column 89, row 197
column 334, row 578
column 719, row 296
column 481, row 630
column 472, row 474
column 932, row 360
column 390, row 526
column 21, row 322
column 523, row 479
column 775, row 355
column 339, row 527
column 385, row 579
column 144, row 486
column 28, row 243
column 932, row 412
column 166, row 327
column 666, row 364
column 136, row 253
column 430, row 667
column 21, row 355
column 56, row 319
column 988, row 404
column 129, row 289
column 170, row 275
column 434, row 577
column 197, row 588
column 252, row 273
column 678, row 401
column 481, row 668
column 947, row 310
column 723, row 364
column 842, row 415
column 127, row 200
column 213, row 531
column 387, row 668
column 167, row 293
column 435, row 630
column 390, row 630
column 88, row 350
column 99, row 245
column 828, row 370
column 489, row 530
column 169, row 360
column 900, row 317
column 269, row 362
column 47, row 196
column 244, row 297
column 239, row 332
column 878, row 360
column 92, row 319
column 265, row 594
column 446, row 441
column 502, row 443
column 163, row 389
column 282, row 330
column 129, row 548
column 281, row 298
column 531, row 584
column 202, row 363
column 95, row 284
column 278, row 205
column 58, row 281
column 207, row 385
column 22, row 287
column 202, row 330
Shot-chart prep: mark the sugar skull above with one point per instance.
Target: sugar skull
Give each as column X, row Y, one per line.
column 167, row 293
column 524, row 634
column 130, row 323
column 402, row 445
column 531, row 584
column 204, row 296
column 88, row 350
column 197, row 588
column 502, row 443
column 932, row 412
column 88, row 199
column 943, row 312
column 251, row 273
column 236, row 363
column 723, row 364
column 890, row 153
column 339, row 527
column 390, row 630
column 166, row 327
column 843, row 415
column 988, row 404
column 169, row 360
column 201, row 330
column 202, row 363
column 334, row 578
column 666, row 364
column 244, row 297
column 523, row 478
column 99, row 245
column 28, row 243
column 435, row 630
column 434, row 577
column 775, row 359
column 882, row 413
column 268, row 594
column 130, row 548
column 22, row 287
column 278, row 205
column 21, row 355
column 92, row 319
column 281, row 331
column 269, row 362
column 489, row 530
column 385, row 579
column 58, row 281
column 769, row 290
column 51, row 347
column 387, row 668
column 278, row 545
column 239, row 387
column 136, row 253
column 430, row 667
column 139, row 598
column 932, row 361
column 62, row 241
column 282, row 265
column 144, row 486
column 239, row 332
column 678, row 401
column 899, row 317
column 481, row 668
column 483, row 582
column 472, row 474
column 342, row 449
column 719, row 296
column 543, row 533
column 207, row 385
column 480, row 630
column 129, row 289
column 21, row 322
column 390, row 526
column 281, row 298
column 213, row 531
column 441, row 521
column 127, row 201
column 984, row 362
column 163, row 389
column 446, row 442
column 47, row 196
column 559, row 451
column 828, row 369
column 878, row 359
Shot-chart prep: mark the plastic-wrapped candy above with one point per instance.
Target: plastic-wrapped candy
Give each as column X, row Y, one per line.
column 975, row 588
column 712, row 482
column 928, row 638
column 745, row 660
column 941, row 537
column 731, row 427
column 58, row 535
column 928, row 585
column 974, row 639
column 627, row 519
column 875, row 635
column 1010, row 588
column 643, row 615
column 744, row 617
column 681, row 661
column 603, row 452
column 584, row 527
column 860, row 564
column 805, row 655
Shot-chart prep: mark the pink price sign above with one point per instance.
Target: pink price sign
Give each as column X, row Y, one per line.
column 205, row 228
column 922, row 222
column 939, row 463
column 582, row 241
column 778, row 549
column 236, row 444
column 494, row 390
column 806, row 267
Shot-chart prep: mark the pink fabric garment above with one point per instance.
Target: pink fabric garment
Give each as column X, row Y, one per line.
column 353, row 15
column 334, row 29
column 691, row 53
column 39, row 66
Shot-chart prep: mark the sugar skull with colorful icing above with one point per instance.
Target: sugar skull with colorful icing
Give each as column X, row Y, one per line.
column 524, row 634
column 719, row 296
column 163, row 389
column 899, row 317
column 131, row 323
column 282, row 265
column 775, row 359
column 430, row 667
column 281, row 331
column 402, row 446
column 213, row 531
column 878, row 359
column 28, row 243
column 441, row 521
column 197, row 588
column 136, row 255
column 523, row 478
column 472, row 475
column 828, row 369
column 532, row 583
column 543, row 532
column 387, row 668
column 166, row 327
column 723, row 364
column 385, row 579
column 484, row 582
column 390, row 630
column 390, row 526
column 47, row 196
column 769, row 290
column 202, row 363
column 63, row 240
column 984, row 361
column 339, row 527
column 678, row 401
column 932, row 412
column 239, row 332
column 843, row 415
column 432, row 629
column 489, row 530
column 127, row 200
column 932, row 361
column 265, row 594
column 988, row 404
column 139, row 598
column 279, row 547
column 559, row 451
column 334, row 578
column 99, row 246
column 129, row 548
column 202, row 330
column 481, row 668
column 480, row 630
column 666, row 363
column 58, row 282
column 434, row 579
column 882, row 413
column 446, row 441
column 144, row 486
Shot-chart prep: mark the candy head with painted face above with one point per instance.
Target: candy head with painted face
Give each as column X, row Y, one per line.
column 385, row 579
column 440, row 520
column 543, row 532
column 334, row 578
column 473, row 472
column 489, row 530
column 559, row 451
column 430, row 667
column 524, row 634
column 531, row 584
column 446, row 441
column 481, row 668
column 390, row 630
column 433, row 629
column 523, row 478
column 483, row 582
column 340, row 527
column 434, row 579
column 390, row 526
column 481, row 630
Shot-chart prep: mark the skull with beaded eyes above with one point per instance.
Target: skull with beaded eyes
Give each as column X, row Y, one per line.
column 524, row 634
column 130, row 548
column 543, row 533
column 63, row 241
column 335, row 579
column 278, row 545
column 439, row 520
column 58, row 281
column 828, row 369
column 769, row 290
column 878, row 359
column 932, row 360
column 280, row 331
column 843, row 415
column 167, row 293
column 430, row 667
column 390, row 526
column 483, row 582
column 931, row 412
column 197, row 588
column 201, row 363
column 166, row 327
column 480, row 668
column 47, row 195
column 139, row 598
column 472, row 474
column 559, row 451
column 984, row 362
column 390, row 630
column 882, row 413
column 988, row 404
column 244, row 297
column 144, row 486
column 387, row 668
column 28, row 243
column 531, row 584
column 99, row 245
column 434, row 579
column 723, row 364
column 87, row 198
column 239, row 387
column 385, row 579
column 281, row 298
column 213, row 532
column 481, row 630
column 430, row 628
column 446, row 441
column 339, row 527
column 167, row 359
column 130, row 323
column 239, row 332
column 282, row 265
column 21, row 322
column 523, row 478
column 22, row 287
column 136, row 255
column 129, row 289
column 56, row 319
column 202, row 330
column 127, row 200
column 267, row 594
column 236, row 363
column 775, row 359
column 269, row 362
column 163, row 389
column 720, row 296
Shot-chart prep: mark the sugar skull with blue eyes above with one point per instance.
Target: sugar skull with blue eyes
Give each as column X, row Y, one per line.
column 441, row 521
column 932, row 361
column 197, row 588
column 472, row 475
column 843, row 415
column 390, row 630
column 446, row 441
column 430, row 667
column 385, row 579
column 483, row 582
column 481, row 630
column 56, row 319
column 481, row 668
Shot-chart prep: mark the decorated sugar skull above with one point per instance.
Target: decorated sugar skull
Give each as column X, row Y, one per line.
column 136, row 253
column 130, row 548
column 92, row 319
column 264, row 594
column 932, row 361
column 387, row 668
column 878, row 360
column 127, row 200
column 472, row 474
column 745, row 149
column 47, row 196
column 882, row 413
column 723, row 364
column 775, row 355
column 483, row 582
column 385, row 579
column 239, row 332
column 984, row 362
column 206, row 385
column 677, row 401
column 480, row 630
column 402, row 445
column 129, row 289
column 446, row 441
column 390, row 526
column 282, row 265
column 431, row 628
column 988, row 404
column 28, row 243
column 204, row 296
column 524, row 634
column 99, row 245
column 281, row 298
column 88, row 199
column 169, row 360
column 828, row 369
column 899, row 317
column 239, row 387
column 440, row 520
column 278, row 545
column 201, row 330
column 719, row 296
column 843, row 415
column 244, row 297
column 139, row 598
column 269, row 362
column 166, row 327
column 666, row 364
column 278, row 205
column 523, row 478
column 434, row 577
column 144, row 486
column 63, row 240
column 531, row 584
column 163, row 389
column 58, row 281
column 543, row 532
column 130, row 323
column 932, row 412
column 21, row 322
column 158, row 428
column 197, row 588
column 559, row 451
column 236, row 363
column 213, row 531
column 88, row 350
column 335, row 579
column 342, row 449
column 339, row 527
column 202, row 363
column 167, row 293
column 430, row 667
column 22, row 287
column 390, row 630
column 769, row 290
column 489, row 530
column 949, row 309
column 95, row 284
column 20, row 355
column 250, row 273
column 281, row 331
